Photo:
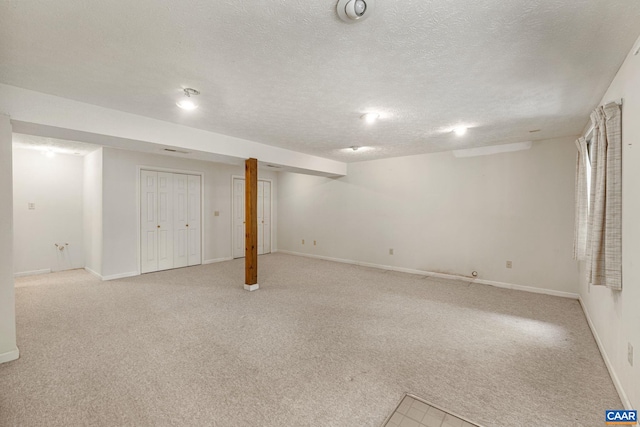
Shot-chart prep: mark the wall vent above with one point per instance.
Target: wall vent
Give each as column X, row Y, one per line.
column 173, row 150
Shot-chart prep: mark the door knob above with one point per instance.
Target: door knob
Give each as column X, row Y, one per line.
column 158, row 226
column 187, row 225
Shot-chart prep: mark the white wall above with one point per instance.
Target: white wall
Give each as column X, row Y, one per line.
column 616, row 315
column 55, row 186
column 8, row 348
column 443, row 214
column 92, row 209
column 120, row 200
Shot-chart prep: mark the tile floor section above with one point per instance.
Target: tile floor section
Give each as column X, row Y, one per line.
column 412, row 412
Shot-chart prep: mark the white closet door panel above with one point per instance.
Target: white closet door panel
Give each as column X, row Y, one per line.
column 165, row 220
column 238, row 218
column 180, row 221
column 266, row 218
column 194, row 224
column 260, row 217
column 148, row 221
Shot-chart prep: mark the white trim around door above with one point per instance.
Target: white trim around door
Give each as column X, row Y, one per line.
column 235, row 253
column 201, row 224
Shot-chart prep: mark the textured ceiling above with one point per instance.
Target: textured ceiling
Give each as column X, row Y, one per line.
column 61, row 146
column 291, row 74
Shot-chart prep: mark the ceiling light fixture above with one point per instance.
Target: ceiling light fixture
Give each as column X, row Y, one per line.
column 187, row 103
column 49, row 153
column 354, row 10
column 354, row 147
column 460, row 130
column 370, row 117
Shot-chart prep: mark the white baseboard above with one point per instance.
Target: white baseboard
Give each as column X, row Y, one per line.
column 10, row 355
column 440, row 275
column 213, row 261
column 120, row 275
column 32, row 273
column 112, row 276
column 251, row 288
column 93, row 273
column 616, row 381
column 531, row 289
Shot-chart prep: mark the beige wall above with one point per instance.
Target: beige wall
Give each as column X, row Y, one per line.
column 8, row 348
column 119, row 209
column 55, row 186
column 92, row 211
column 616, row 315
column 444, row 214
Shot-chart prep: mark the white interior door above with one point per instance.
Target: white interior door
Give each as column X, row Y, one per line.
column 194, row 224
column 180, row 221
column 148, row 221
column 264, row 217
column 165, row 220
column 260, row 217
column 170, row 223
column 238, row 218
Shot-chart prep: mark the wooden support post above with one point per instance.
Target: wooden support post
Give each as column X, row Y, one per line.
column 251, row 224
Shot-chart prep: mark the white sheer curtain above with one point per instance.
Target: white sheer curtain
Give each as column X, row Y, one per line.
column 604, row 227
column 582, row 200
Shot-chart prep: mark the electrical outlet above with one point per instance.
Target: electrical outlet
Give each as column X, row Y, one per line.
column 303, row 241
column 314, row 243
column 216, row 213
column 390, row 251
column 31, row 206
column 630, row 354
column 509, row 264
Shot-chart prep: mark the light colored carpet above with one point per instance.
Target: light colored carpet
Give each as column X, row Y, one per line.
column 320, row 344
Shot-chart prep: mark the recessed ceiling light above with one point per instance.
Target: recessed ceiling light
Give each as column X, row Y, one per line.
column 187, row 103
column 49, row 153
column 357, row 149
column 460, row 130
column 370, row 117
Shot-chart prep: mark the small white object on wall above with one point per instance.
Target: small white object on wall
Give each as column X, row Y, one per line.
column 351, row 11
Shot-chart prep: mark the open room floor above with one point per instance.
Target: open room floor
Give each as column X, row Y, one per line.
column 320, row 344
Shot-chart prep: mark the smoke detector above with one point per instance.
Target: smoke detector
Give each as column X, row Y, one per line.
column 354, row 10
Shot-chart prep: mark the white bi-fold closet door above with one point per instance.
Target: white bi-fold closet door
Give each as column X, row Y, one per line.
column 264, row 217
column 170, row 226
